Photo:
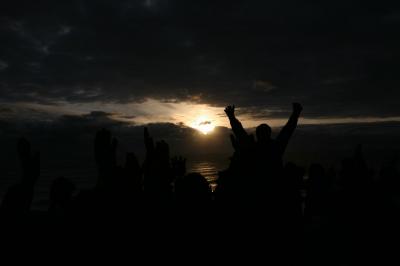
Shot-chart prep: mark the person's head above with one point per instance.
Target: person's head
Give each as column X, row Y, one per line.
column 192, row 188
column 263, row 133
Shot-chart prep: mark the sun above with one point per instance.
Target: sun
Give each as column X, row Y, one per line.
column 203, row 124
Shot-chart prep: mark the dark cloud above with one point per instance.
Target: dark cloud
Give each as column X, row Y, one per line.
column 339, row 58
column 204, row 123
column 95, row 119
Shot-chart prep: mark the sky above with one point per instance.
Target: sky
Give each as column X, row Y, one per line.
column 178, row 63
column 148, row 61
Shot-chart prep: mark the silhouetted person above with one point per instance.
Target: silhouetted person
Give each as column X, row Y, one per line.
column 18, row 198
column 259, row 160
column 263, row 131
column 193, row 191
column 118, row 190
column 257, row 196
column 158, row 174
column 258, row 215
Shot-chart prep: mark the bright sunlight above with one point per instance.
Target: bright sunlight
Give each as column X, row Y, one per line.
column 203, row 124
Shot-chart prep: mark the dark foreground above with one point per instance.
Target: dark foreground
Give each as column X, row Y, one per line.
column 155, row 211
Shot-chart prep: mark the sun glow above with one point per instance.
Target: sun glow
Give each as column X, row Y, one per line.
column 203, row 124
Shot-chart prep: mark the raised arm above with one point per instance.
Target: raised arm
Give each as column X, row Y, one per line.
column 287, row 131
column 237, row 127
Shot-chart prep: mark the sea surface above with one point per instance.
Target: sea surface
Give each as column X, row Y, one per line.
column 208, row 169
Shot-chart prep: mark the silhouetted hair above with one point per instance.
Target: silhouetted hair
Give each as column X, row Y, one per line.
column 263, row 132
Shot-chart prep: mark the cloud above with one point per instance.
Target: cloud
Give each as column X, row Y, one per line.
column 94, row 119
column 321, row 54
column 204, row 123
column 263, row 85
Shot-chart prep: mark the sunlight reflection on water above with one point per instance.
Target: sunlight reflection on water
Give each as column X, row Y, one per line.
column 208, row 169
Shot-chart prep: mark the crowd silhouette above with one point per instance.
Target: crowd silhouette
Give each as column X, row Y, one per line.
column 263, row 210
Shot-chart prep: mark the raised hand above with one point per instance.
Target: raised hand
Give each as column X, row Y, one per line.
column 297, row 108
column 30, row 162
column 156, row 153
column 230, row 111
column 157, row 169
column 148, row 141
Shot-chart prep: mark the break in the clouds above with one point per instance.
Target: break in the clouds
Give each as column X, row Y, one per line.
column 339, row 58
